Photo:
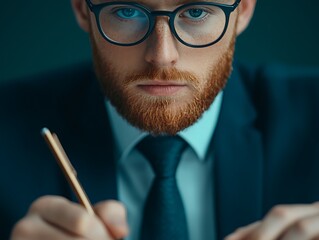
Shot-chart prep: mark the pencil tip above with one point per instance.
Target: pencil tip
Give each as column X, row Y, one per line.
column 44, row 131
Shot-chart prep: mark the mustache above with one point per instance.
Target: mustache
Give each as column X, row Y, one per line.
column 171, row 74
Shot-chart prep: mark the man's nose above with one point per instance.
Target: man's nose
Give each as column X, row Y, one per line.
column 162, row 45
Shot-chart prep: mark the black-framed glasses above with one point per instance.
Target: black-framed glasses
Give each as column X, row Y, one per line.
column 197, row 24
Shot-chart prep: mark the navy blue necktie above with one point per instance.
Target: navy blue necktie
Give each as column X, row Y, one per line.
column 164, row 215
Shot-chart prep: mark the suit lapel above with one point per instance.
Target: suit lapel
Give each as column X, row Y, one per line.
column 88, row 140
column 237, row 149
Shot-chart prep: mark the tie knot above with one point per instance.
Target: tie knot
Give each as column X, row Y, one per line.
column 163, row 153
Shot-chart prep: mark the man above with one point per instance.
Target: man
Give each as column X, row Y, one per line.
column 166, row 67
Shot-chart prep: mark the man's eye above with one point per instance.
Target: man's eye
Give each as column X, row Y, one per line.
column 195, row 13
column 128, row 13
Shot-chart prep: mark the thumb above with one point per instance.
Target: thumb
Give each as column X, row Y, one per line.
column 113, row 215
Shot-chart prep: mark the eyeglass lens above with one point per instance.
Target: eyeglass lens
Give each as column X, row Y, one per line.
column 195, row 24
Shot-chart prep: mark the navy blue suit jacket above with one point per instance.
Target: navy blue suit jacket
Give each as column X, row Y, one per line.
column 266, row 144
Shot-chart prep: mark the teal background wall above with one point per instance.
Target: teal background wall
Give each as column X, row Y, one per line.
column 36, row 36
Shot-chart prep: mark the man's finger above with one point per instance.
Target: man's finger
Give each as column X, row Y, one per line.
column 277, row 222
column 242, row 232
column 113, row 214
column 304, row 229
column 69, row 217
column 33, row 227
column 280, row 218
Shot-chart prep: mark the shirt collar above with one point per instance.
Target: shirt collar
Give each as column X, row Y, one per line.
column 198, row 135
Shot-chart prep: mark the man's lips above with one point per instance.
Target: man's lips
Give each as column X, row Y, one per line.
column 161, row 88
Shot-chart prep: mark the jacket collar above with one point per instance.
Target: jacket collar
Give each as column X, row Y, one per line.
column 237, row 148
column 88, row 139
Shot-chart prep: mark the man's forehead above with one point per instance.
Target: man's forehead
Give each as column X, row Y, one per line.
column 166, row 2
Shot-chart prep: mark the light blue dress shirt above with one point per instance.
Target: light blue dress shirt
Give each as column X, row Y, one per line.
column 194, row 174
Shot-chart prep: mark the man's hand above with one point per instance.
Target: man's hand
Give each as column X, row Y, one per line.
column 285, row 222
column 53, row 217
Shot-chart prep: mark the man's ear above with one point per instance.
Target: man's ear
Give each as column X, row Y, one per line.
column 81, row 13
column 246, row 11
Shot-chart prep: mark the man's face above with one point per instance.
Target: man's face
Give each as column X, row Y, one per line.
column 161, row 85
